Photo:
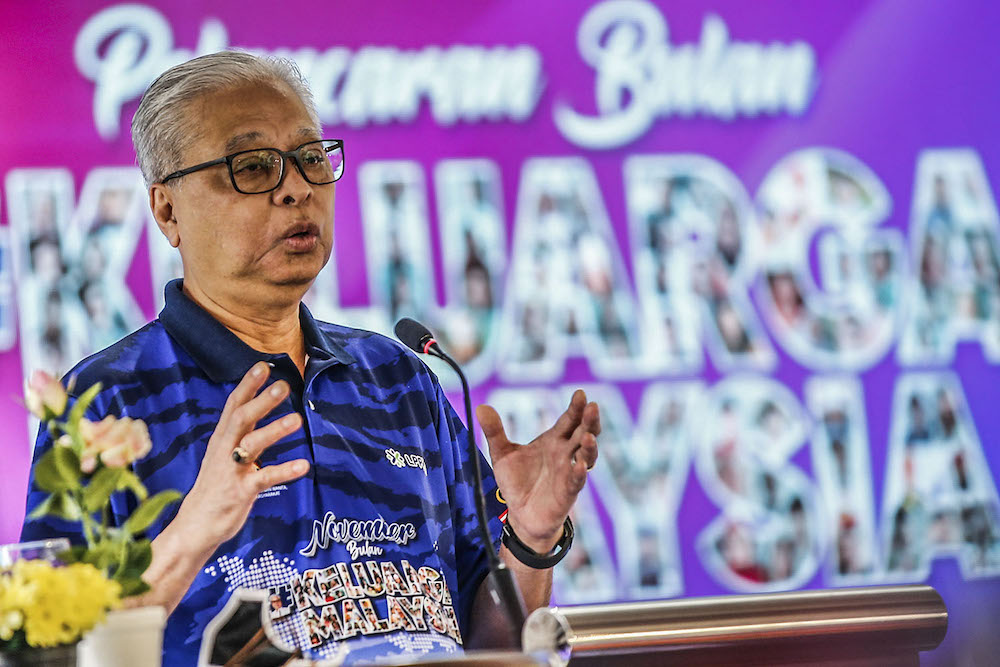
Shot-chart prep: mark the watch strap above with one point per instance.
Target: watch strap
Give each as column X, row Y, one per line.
column 532, row 558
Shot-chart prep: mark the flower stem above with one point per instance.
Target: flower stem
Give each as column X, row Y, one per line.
column 87, row 521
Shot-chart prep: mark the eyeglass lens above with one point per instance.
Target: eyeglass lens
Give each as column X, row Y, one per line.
column 260, row 170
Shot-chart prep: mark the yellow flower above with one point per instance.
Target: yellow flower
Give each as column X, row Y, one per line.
column 11, row 621
column 54, row 605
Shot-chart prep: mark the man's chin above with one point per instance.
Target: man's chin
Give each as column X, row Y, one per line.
column 295, row 274
column 303, row 281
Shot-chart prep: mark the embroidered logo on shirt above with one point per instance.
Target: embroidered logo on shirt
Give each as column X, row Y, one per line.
column 406, row 460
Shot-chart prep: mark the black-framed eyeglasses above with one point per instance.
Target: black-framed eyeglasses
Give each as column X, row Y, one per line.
column 260, row 170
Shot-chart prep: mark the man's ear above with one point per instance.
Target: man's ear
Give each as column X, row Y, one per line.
column 161, row 203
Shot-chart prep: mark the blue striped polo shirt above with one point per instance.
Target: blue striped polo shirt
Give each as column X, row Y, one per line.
column 375, row 551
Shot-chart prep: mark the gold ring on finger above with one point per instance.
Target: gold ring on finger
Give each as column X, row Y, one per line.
column 241, row 455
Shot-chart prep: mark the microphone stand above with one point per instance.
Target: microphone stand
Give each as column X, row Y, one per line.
column 500, row 581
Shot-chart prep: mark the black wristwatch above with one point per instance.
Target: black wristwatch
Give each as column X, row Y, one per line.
column 532, row 558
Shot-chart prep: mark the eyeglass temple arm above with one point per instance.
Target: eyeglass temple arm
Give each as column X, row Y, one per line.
column 191, row 170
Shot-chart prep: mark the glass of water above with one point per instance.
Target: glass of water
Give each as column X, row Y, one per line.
column 47, row 550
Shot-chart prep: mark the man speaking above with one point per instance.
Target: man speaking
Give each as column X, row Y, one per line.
column 319, row 462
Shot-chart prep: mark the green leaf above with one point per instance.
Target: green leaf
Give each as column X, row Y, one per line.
column 74, row 554
column 132, row 587
column 146, row 513
column 81, row 405
column 58, row 470
column 136, row 558
column 98, row 492
column 58, row 504
column 79, row 444
column 102, row 556
column 128, row 480
column 43, row 508
column 18, row 642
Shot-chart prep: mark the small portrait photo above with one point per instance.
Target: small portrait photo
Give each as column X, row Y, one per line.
column 279, row 603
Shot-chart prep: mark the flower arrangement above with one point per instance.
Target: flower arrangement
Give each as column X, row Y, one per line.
column 42, row 604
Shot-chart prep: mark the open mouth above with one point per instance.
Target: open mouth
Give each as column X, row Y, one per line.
column 302, row 237
column 302, row 230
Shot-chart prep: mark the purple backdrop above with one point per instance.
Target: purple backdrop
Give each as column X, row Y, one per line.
column 890, row 105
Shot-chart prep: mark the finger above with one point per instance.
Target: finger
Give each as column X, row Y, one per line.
column 592, row 418
column 590, row 423
column 588, row 451
column 245, row 417
column 246, row 389
column 584, row 452
column 577, row 471
column 281, row 473
column 255, row 442
column 492, row 427
column 569, row 420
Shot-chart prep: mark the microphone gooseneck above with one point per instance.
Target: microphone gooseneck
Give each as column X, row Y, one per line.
column 418, row 338
column 500, row 581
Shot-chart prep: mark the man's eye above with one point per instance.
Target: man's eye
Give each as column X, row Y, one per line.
column 253, row 163
column 313, row 157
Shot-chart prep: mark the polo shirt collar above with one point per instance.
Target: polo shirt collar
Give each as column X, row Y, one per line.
column 220, row 352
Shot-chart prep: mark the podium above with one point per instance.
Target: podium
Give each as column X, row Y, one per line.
column 885, row 626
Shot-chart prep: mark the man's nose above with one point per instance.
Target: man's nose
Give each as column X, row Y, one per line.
column 294, row 188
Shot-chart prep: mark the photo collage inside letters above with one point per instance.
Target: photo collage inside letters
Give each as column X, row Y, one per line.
column 954, row 239
column 766, row 536
column 847, row 317
column 695, row 256
column 940, row 496
column 473, row 244
column 71, row 262
column 568, row 291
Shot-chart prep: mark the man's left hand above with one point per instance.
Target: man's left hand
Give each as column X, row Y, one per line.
column 540, row 480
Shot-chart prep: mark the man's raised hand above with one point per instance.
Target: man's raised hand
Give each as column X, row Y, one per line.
column 540, row 480
column 220, row 500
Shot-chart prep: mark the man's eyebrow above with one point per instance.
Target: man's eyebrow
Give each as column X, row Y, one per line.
column 241, row 140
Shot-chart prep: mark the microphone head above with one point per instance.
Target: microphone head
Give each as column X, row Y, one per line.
column 413, row 334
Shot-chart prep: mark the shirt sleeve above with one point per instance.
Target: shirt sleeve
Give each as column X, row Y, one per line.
column 470, row 549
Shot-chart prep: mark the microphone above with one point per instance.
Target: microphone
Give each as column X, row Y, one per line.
column 500, row 581
column 419, row 338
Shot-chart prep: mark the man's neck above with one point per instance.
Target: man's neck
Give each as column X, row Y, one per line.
column 273, row 328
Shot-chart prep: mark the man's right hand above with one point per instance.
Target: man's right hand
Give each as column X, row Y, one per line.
column 225, row 490
column 219, row 502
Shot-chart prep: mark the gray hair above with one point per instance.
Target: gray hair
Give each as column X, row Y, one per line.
column 162, row 128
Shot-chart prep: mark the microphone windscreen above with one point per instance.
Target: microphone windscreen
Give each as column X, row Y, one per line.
column 413, row 334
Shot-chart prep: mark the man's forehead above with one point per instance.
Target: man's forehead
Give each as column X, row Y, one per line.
column 253, row 138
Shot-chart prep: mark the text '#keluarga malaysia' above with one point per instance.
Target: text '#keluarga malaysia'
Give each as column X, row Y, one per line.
column 345, row 600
